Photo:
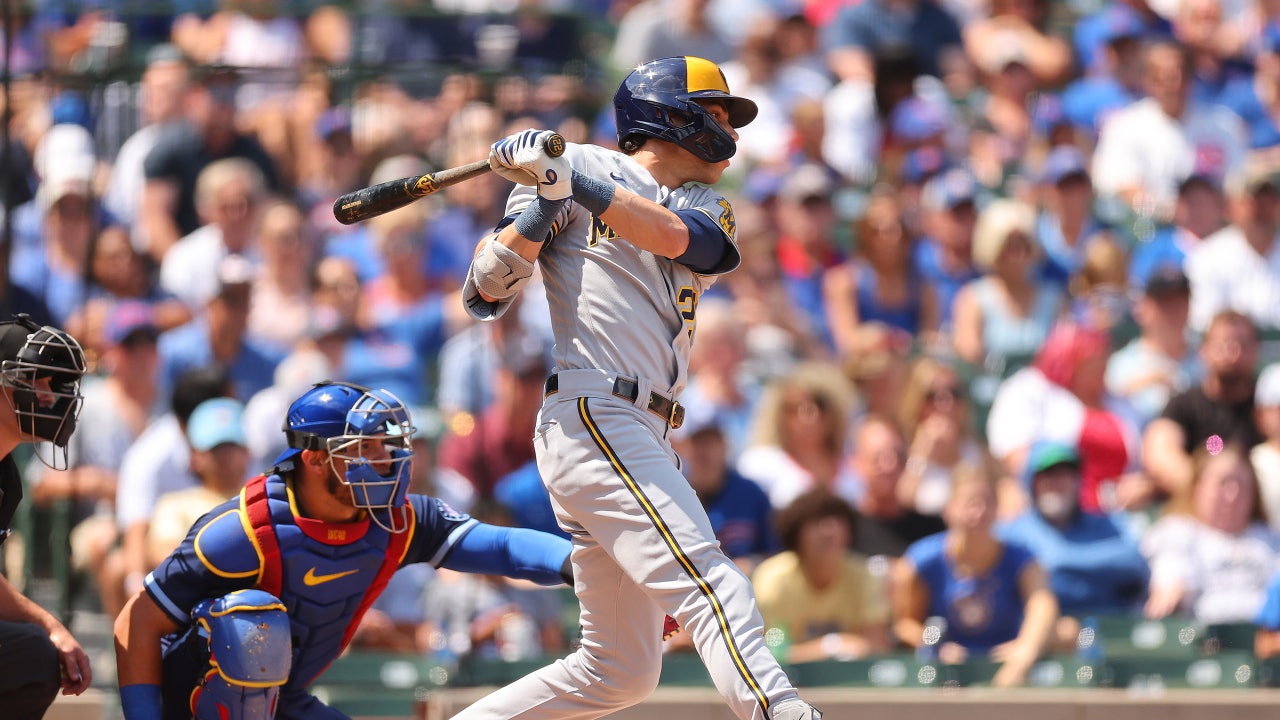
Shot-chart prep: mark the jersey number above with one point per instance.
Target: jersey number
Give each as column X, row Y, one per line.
column 687, row 302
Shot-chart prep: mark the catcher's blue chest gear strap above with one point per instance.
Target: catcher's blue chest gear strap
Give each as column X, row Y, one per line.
column 326, row 574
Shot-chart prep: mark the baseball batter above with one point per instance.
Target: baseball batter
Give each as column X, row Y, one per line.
column 627, row 244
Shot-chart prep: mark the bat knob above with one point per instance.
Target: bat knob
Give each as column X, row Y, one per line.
column 554, row 145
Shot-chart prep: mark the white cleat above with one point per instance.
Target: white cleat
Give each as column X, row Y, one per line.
column 795, row 709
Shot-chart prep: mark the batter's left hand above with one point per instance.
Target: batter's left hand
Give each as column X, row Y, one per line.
column 526, row 151
column 72, row 662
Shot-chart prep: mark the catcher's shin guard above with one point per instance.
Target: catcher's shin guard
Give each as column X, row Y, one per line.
column 250, row 656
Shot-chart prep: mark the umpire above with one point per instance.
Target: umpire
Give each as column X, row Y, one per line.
column 40, row 371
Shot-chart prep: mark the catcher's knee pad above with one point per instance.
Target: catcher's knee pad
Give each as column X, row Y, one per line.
column 250, row 656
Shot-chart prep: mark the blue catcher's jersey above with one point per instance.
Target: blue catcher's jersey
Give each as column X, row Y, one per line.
column 326, row 574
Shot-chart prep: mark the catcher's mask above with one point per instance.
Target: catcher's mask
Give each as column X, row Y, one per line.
column 659, row 100
column 370, row 432
column 40, row 371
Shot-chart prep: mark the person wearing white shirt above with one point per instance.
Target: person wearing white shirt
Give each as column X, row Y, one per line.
column 1238, row 267
column 1146, row 149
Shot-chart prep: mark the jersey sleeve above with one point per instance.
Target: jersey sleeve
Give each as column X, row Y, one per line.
column 713, row 210
column 438, row 529
column 216, row 557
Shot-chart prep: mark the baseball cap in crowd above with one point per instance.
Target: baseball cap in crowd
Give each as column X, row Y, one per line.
column 332, row 122
column 1121, row 22
column 915, row 120
column 1267, row 392
column 699, row 419
column 807, row 182
column 130, row 319
column 1047, row 454
column 1005, row 53
column 71, row 108
column 1167, row 281
column 1063, row 162
column 216, row 422
column 64, row 160
column 950, row 190
column 923, row 163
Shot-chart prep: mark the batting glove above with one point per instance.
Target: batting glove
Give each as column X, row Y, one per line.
column 525, row 151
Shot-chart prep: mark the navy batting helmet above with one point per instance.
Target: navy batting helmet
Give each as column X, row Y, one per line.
column 658, row 100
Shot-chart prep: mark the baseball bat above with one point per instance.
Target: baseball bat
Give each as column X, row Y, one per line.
column 384, row 197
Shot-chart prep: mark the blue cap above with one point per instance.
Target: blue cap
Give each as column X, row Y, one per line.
column 923, row 163
column 1120, row 22
column 915, row 120
column 216, row 422
column 949, row 190
column 1063, row 162
column 333, row 121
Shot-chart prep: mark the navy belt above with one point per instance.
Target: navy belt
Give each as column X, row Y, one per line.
column 671, row 411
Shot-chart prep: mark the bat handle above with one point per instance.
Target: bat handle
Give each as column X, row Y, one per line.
column 554, row 145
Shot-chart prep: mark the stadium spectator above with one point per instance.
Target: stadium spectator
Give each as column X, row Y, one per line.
column 220, row 335
column 740, row 512
column 1148, row 147
column 1092, row 560
column 1100, row 288
column 667, row 28
column 1062, row 396
column 169, row 204
column 280, row 300
column 874, row 470
column 1005, row 313
column 54, row 269
column 818, row 591
column 878, row 285
column 400, row 240
column 1235, row 268
column 1066, row 222
column 486, row 446
column 1113, row 79
column 806, row 248
column 1162, row 360
column 1220, row 405
column 1265, row 456
column 799, row 433
column 1197, row 214
column 1212, row 552
column 1254, row 97
column 164, row 83
column 1019, row 24
column 994, row 598
column 1094, row 31
column 859, row 32
column 719, row 384
column 936, row 416
column 228, row 197
column 219, row 460
column 944, row 257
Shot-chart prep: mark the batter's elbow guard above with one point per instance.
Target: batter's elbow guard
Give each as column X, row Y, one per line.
column 477, row 306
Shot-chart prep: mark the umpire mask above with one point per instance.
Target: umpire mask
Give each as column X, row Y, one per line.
column 40, row 370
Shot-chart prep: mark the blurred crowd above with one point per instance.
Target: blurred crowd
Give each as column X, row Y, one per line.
column 996, row 360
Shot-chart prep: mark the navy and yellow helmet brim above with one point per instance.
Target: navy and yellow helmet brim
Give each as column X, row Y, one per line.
column 689, row 77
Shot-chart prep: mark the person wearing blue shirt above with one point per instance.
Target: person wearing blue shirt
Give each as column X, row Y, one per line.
column 1067, row 222
column 991, row 597
column 269, row 588
column 1094, row 565
column 220, row 337
column 944, row 258
column 1198, row 212
column 1253, row 97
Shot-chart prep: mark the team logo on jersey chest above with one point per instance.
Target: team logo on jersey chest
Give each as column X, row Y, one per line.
column 600, row 231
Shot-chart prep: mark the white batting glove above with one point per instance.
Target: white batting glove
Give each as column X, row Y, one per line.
column 525, row 151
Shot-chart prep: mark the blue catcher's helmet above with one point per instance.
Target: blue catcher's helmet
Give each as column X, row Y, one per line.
column 370, row 430
column 658, row 100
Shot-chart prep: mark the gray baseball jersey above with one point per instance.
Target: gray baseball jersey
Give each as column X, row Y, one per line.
column 643, row 546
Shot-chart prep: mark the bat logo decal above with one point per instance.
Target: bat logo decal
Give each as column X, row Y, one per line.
column 425, row 186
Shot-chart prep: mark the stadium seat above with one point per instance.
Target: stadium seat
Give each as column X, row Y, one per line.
column 1225, row 670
